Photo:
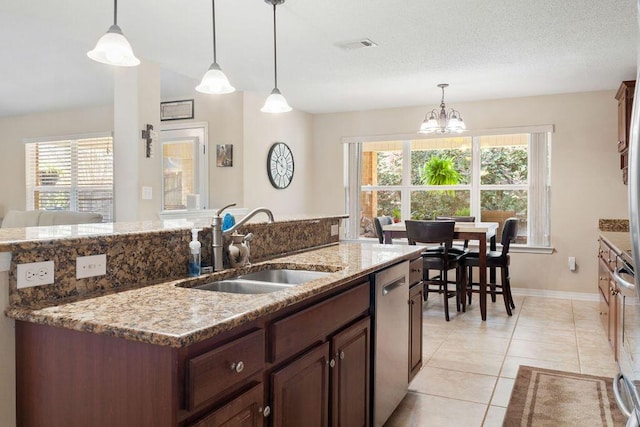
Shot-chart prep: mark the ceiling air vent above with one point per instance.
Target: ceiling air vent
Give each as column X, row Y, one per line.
column 357, row 44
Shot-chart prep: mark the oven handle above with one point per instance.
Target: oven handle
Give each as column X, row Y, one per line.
column 625, row 284
column 616, row 391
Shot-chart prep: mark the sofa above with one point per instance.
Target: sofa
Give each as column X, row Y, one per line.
column 35, row 218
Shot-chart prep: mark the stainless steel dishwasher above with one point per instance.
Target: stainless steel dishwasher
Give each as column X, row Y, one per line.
column 391, row 340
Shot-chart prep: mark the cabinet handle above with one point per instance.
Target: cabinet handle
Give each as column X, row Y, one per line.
column 342, row 355
column 265, row 412
column 237, row 367
column 415, row 270
column 331, row 363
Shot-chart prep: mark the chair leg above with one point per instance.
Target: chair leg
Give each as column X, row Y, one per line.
column 505, row 292
column 470, row 284
column 508, row 287
column 445, row 294
column 461, row 282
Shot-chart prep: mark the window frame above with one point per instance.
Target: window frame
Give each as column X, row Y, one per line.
column 537, row 187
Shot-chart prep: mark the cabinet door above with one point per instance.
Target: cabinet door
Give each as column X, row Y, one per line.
column 244, row 411
column 351, row 351
column 415, row 330
column 300, row 391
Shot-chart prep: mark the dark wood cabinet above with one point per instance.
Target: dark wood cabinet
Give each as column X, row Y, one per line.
column 608, row 261
column 416, row 293
column 350, row 375
column 415, row 329
column 245, row 410
column 300, row 390
column 624, row 96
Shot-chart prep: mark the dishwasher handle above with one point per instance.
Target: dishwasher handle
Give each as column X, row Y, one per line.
column 387, row 289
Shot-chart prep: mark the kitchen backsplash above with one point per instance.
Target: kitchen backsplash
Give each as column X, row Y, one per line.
column 621, row 225
column 139, row 259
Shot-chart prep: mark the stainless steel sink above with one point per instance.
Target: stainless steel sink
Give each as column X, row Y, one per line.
column 262, row 282
column 239, row 286
column 291, row 277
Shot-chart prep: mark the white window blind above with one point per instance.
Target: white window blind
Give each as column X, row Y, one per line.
column 71, row 174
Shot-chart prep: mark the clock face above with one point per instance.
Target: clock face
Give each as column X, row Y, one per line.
column 280, row 165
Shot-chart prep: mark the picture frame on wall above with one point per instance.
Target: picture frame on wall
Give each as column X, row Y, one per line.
column 224, row 155
column 176, row 110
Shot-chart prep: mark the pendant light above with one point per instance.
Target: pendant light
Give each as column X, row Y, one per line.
column 214, row 80
column 113, row 48
column 275, row 103
column 442, row 122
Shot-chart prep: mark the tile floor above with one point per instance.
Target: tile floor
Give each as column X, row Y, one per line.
column 469, row 366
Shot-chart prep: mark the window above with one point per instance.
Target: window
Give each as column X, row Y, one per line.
column 73, row 174
column 491, row 177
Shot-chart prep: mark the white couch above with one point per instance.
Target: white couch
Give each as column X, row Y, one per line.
column 21, row 219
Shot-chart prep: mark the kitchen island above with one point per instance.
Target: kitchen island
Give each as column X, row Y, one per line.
column 167, row 354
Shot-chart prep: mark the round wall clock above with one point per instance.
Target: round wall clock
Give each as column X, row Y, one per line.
column 280, row 165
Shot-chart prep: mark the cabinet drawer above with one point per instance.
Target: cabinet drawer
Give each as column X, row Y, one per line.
column 415, row 271
column 214, row 371
column 298, row 331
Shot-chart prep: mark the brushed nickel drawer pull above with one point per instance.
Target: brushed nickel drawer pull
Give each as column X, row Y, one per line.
column 237, row 367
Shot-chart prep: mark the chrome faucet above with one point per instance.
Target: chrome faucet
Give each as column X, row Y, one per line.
column 217, row 238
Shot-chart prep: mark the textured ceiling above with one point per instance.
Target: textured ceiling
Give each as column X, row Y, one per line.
column 484, row 49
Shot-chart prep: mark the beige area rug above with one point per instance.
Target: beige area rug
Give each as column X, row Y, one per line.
column 542, row 397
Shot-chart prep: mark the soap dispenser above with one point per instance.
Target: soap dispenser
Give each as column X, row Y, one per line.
column 194, row 256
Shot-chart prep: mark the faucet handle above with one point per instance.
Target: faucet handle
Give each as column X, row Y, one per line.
column 219, row 211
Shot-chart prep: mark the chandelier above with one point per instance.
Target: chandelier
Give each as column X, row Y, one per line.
column 442, row 122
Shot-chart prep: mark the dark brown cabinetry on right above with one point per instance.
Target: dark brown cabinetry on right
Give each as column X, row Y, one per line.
column 624, row 96
column 608, row 261
column 416, row 293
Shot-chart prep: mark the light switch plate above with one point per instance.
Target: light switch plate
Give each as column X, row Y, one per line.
column 91, row 266
column 147, row 193
column 35, row 274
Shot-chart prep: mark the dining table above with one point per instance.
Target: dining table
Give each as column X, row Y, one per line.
column 480, row 231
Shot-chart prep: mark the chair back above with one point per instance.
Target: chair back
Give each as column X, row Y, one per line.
column 456, row 218
column 440, row 232
column 379, row 221
column 509, row 234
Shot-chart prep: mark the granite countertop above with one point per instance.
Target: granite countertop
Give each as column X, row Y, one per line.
column 170, row 315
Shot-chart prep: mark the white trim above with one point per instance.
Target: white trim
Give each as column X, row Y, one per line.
column 580, row 296
column 470, row 133
column 90, row 135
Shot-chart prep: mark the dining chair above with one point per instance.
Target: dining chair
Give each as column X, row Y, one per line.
column 465, row 245
column 495, row 259
column 440, row 259
column 378, row 222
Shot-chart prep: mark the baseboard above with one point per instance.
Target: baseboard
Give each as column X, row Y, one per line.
column 581, row 296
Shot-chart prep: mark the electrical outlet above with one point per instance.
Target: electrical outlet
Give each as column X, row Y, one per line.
column 335, row 230
column 91, row 266
column 572, row 263
column 35, row 274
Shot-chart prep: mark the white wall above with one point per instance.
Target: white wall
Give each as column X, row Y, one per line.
column 585, row 176
column 261, row 130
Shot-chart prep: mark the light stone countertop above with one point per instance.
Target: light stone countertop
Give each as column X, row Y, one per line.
column 169, row 315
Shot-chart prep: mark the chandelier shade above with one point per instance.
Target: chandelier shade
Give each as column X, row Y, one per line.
column 214, row 80
column 113, row 48
column 276, row 102
column 442, row 121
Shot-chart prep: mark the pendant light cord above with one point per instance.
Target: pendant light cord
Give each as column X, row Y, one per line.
column 115, row 12
column 275, row 51
column 213, row 14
